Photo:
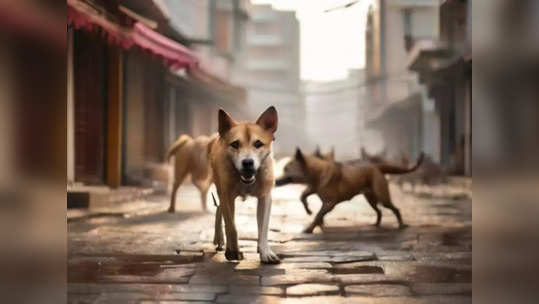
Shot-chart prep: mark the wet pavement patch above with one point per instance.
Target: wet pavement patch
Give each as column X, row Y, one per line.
column 425, row 273
column 131, row 268
column 357, row 270
column 431, row 273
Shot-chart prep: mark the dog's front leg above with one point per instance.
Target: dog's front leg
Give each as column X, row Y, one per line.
column 232, row 251
column 303, row 199
column 326, row 207
column 218, row 237
column 263, row 216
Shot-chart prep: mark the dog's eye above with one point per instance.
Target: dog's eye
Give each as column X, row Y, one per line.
column 235, row 144
column 258, row 144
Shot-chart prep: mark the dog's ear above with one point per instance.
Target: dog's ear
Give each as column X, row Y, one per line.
column 299, row 156
column 332, row 153
column 317, row 152
column 225, row 122
column 268, row 120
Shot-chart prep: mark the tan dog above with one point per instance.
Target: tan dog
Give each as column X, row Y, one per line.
column 335, row 182
column 191, row 158
column 242, row 163
column 309, row 190
column 330, row 156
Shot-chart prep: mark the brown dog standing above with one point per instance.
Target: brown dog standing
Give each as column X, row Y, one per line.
column 191, row 158
column 242, row 163
column 335, row 182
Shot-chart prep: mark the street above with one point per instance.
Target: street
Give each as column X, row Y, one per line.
column 153, row 256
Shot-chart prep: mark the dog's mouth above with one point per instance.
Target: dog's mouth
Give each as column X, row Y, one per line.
column 247, row 177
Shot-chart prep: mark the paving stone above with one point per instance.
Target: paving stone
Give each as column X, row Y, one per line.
column 445, row 257
column 162, row 278
column 359, row 264
column 358, row 268
column 248, row 264
column 262, row 271
column 378, row 300
column 394, row 255
column 81, row 298
column 248, row 299
column 256, row 290
column 378, row 290
column 307, row 265
column 189, row 296
column 442, row 288
column 173, row 302
column 348, row 279
column 120, row 297
column 225, row 279
column 298, row 278
column 311, row 289
column 190, row 253
column 341, row 258
column 145, row 288
column 429, row 273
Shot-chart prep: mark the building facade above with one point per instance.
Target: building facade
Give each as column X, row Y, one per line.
column 139, row 75
column 400, row 116
column 270, row 71
column 444, row 66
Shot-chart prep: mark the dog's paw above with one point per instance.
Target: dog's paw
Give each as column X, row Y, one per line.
column 171, row 210
column 233, row 255
column 403, row 226
column 308, row 230
column 269, row 257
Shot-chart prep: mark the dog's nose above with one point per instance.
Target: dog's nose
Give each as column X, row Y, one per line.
column 248, row 163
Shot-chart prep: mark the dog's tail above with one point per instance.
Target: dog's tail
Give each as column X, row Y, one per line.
column 184, row 138
column 393, row 169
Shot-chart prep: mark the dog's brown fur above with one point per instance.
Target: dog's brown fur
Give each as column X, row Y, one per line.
column 330, row 156
column 237, row 142
column 335, row 182
column 191, row 158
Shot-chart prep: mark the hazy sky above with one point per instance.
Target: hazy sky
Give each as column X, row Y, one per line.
column 332, row 42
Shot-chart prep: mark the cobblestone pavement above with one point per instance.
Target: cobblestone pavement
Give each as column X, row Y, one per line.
column 159, row 257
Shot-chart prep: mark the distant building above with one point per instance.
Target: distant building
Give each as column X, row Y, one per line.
column 445, row 68
column 400, row 116
column 334, row 114
column 269, row 69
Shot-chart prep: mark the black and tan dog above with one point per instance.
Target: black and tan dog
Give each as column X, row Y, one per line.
column 242, row 164
column 335, row 182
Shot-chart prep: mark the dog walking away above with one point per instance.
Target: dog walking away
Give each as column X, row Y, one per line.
column 335, row 182
column 242, row 164
column 191, row 158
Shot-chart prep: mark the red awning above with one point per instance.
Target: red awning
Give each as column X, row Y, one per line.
column 173, row 54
